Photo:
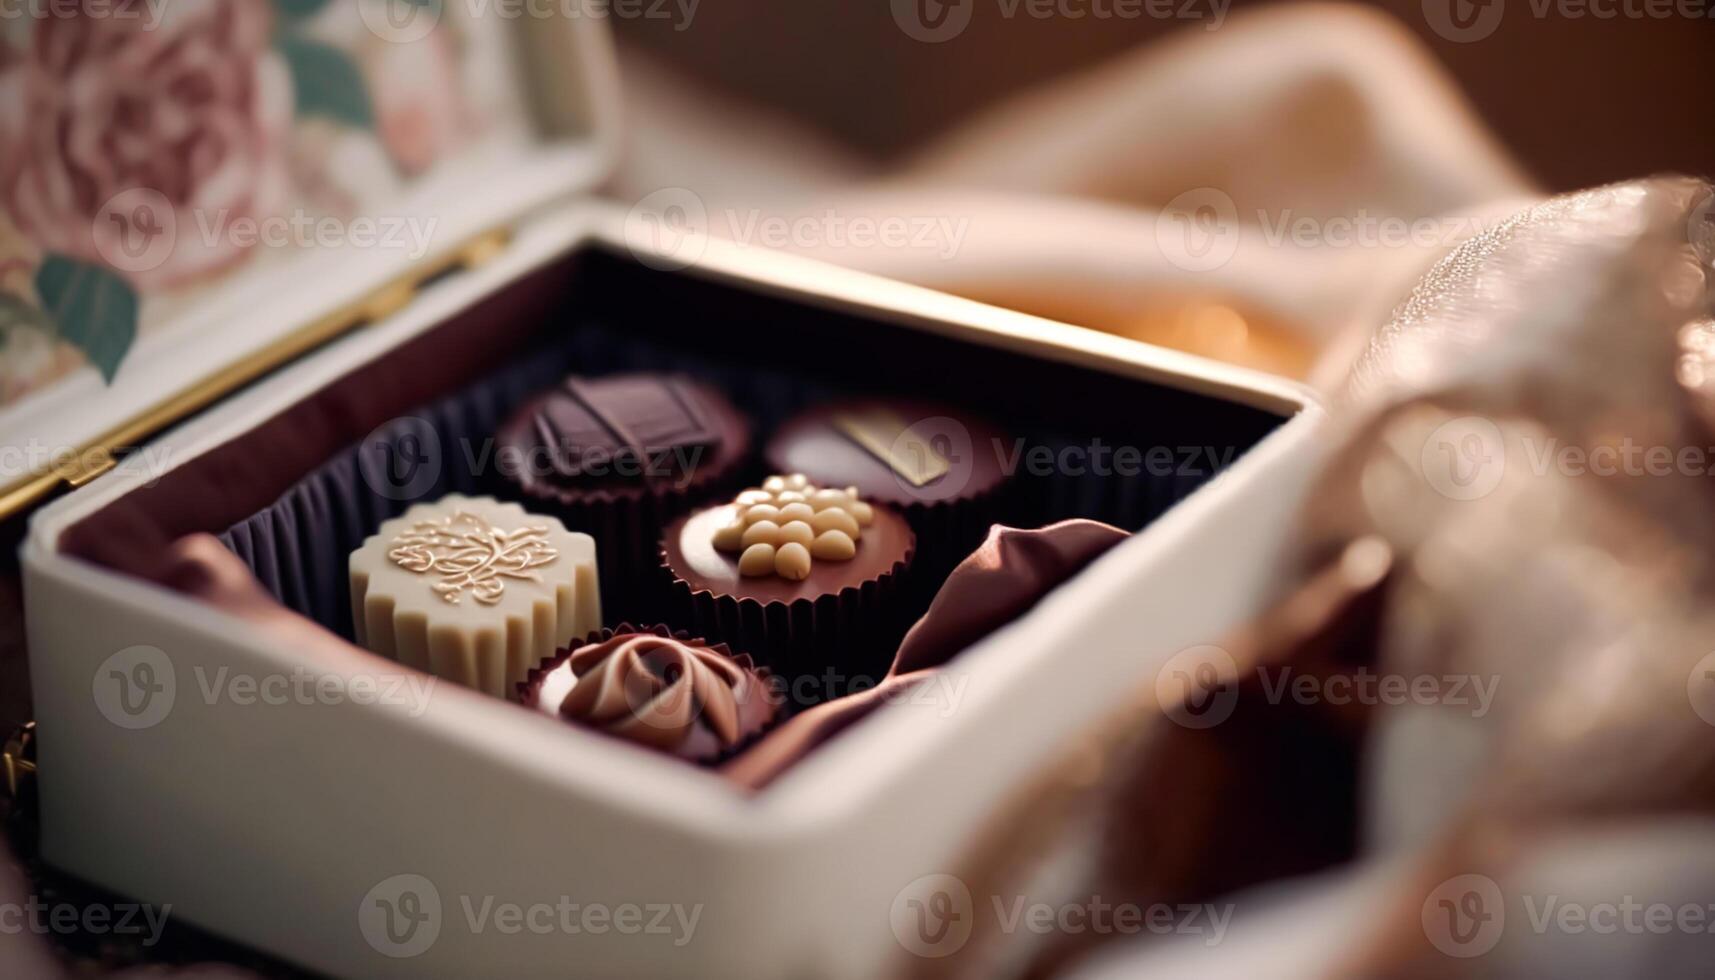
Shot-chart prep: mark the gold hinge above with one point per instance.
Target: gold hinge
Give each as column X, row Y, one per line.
column 18, row 759
column 79, row 468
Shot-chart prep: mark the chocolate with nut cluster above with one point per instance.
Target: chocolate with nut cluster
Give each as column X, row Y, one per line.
column 803, row 578
column 618, row 456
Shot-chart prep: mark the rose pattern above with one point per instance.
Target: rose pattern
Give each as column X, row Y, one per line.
column 417, row 111
column 137, row 137
column 195, row 112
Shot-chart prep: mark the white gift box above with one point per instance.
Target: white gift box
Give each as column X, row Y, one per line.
column 461, row 836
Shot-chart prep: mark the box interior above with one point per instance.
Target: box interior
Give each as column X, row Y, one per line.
column 295, row 495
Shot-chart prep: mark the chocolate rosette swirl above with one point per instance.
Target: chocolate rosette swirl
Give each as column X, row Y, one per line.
column 655, row 688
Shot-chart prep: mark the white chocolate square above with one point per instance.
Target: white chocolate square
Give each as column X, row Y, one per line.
column 474, row 590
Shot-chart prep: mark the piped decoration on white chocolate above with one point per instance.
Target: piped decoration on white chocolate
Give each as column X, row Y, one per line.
column 466, row 551
column 786, row 525
column 533, row 582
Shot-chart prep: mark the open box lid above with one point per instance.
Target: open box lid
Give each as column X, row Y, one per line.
column 194, row 192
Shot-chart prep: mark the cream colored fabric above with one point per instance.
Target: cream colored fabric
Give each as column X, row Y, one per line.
column 1279, row 182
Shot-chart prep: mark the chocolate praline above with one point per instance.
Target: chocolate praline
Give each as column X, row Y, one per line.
column 653, row 687
column 473, row 590
column 623, row 436
column 837, row 617
column 618, row 456
column 689, row 553
column 942, row 468
column 824, row 444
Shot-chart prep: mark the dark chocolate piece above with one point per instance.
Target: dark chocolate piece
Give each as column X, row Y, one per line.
column 900, row 453
column 629, row 431
column 632, row 423
column 617, row 457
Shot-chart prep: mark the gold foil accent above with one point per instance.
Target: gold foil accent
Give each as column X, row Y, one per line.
column 888, row 438
column 468, row 552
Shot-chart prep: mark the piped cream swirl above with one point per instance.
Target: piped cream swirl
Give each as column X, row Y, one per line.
column 671, row 695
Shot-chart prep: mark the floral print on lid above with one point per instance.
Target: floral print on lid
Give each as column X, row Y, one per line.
column 149, row 148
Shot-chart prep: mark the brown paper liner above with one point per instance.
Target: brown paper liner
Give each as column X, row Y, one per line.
column 845, row 637
column 947, row 531
column 529, row 688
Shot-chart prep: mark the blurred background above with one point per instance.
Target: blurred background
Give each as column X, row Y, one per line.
column 1063, row 136
column 1578, row 101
